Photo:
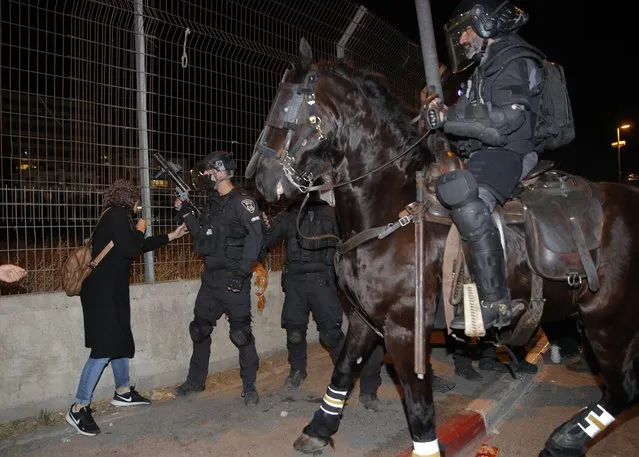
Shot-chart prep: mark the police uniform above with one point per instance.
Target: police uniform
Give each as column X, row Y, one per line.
column 309, row 283
column 229, row 237
column 492, row 123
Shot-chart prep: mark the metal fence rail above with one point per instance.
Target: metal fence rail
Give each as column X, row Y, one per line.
column 72, row 121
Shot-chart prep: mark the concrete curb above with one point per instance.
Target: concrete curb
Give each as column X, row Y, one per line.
column 482, row 415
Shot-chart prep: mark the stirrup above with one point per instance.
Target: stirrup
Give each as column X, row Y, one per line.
column 459, row 321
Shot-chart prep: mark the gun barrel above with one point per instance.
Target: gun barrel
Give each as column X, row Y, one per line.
column 171, row 170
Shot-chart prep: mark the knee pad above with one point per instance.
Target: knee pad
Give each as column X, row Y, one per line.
column 199, row 331
column 295, row 335
column 331, row 338
column 242, row 337
column 456, row 188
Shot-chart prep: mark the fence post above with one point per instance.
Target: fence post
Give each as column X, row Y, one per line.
column 348, row 33
column 143, row 133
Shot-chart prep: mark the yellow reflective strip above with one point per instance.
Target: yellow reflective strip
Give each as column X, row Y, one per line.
column 436, row 454
column 333, row 401
column 596, row 421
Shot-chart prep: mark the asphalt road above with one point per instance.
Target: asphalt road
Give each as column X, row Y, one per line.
column 217, row 423
column 558, row 394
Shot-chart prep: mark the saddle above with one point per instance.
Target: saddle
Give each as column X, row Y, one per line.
column 561, row 215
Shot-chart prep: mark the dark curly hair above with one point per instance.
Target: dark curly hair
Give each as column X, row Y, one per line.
column 121, row 193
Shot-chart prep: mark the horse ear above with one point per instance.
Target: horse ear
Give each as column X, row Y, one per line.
column 304, row 57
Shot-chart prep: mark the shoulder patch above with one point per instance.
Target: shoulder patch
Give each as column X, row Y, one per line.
column 249, row 205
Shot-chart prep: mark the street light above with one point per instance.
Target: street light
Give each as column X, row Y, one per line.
column 619, row 144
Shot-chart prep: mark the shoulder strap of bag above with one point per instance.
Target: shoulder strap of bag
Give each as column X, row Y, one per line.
column 94, row 263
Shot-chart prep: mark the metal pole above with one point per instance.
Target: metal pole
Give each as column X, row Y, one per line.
column 350, row 30
column 434, row 86
column 420, row 337
column 618, row 156
column 143, row 133
column 429, row 49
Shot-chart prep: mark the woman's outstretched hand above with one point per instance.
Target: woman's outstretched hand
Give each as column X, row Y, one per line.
column 178, row 232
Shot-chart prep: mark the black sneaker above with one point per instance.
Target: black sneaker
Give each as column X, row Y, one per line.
column 83, row 421
column 188, row 388
column 130, row 398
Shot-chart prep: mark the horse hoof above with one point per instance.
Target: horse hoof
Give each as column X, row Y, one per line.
column 308, row 444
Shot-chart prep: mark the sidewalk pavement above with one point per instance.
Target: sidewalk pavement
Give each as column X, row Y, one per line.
column 216, row 421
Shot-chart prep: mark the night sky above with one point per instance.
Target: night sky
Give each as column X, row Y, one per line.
column 594, row 46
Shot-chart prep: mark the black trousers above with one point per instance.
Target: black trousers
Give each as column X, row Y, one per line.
column 370, row 375
column 306, row 294
column 213, row 300
column 315, row 294
column 499, row 170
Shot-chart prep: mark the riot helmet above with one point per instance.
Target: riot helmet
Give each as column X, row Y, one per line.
column 218, row 161
column 488, row 19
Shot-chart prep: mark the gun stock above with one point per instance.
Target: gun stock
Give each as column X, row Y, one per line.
column 171, row 170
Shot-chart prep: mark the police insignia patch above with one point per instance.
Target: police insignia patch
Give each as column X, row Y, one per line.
column 249, row 205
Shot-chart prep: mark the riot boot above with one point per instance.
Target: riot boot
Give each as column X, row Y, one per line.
column 250, row 395
column 295, row 379
column 486, row 263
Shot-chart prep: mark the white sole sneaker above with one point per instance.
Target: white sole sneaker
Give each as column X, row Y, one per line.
column 123, row 401
column 73, row 424
column 115, row 402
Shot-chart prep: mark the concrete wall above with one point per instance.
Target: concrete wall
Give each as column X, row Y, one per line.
column 42, row 343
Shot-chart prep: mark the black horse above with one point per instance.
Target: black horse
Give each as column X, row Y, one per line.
column 332, row 121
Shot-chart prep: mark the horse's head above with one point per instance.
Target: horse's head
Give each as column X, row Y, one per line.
column 293, row 148
column 332, row 122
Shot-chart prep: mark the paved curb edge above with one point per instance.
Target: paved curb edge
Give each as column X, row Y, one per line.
column 480, row 417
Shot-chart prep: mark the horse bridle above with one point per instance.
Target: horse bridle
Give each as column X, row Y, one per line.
column 289, row 100
column 311, row 136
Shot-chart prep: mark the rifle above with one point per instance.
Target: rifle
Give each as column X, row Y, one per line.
column 182, row 189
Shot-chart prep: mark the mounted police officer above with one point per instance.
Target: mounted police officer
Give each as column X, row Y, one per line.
column 310, row 286
column 229, row 236
column 492, row 124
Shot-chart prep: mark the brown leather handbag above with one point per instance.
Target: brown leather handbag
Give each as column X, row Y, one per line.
column 79, row 264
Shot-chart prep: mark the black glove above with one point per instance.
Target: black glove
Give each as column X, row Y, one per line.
column 435, row 117
column 185, row 209
column 236, row 282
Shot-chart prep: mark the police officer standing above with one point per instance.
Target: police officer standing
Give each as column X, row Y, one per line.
column 310, row 286
column 229, row 236
column 492, row 124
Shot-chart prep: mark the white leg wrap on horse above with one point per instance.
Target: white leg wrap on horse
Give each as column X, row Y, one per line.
column 333, row 401
column 426, row 449
column 596, row 421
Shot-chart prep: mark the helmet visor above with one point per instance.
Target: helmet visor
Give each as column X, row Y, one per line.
column 461, row 56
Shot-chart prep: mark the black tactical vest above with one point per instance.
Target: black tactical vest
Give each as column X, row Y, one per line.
column 317, row 220
column 222, row 236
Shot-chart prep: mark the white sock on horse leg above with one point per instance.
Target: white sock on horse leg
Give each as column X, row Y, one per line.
column 426, row 449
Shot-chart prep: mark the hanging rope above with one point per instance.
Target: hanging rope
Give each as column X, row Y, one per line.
column 185, row 58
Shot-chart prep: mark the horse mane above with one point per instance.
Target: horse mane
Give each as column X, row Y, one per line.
column 390, row 109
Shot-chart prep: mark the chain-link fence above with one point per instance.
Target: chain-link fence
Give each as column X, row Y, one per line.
column 90, row 90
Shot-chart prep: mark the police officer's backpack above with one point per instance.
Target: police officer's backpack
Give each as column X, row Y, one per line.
column 555, row 125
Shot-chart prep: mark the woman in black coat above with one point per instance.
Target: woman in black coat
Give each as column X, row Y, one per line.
column 105, row 302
